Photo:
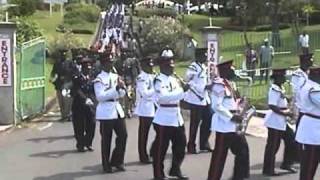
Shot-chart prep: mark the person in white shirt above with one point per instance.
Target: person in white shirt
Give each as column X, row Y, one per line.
column 199, row 102
column 298, row 80
column 145, row 106
column 308, row 130
column 168, row 122
column 109, row 88
column 266, row 55
column 276, row 122
column 304, row 42
column 225, row 100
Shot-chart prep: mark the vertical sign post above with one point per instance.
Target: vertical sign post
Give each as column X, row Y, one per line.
column 210, row 36
column 7, row 75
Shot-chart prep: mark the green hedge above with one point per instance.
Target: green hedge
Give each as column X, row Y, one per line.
column 81, row 13
column 163, row 12
column 268, row 27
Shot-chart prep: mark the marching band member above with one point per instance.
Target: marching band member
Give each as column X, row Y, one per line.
column 168, row 122
column 108, row 89
column 276, row 122
column 145, row 108
column 199, row 102
column 298, row 80
column 224, row 123
column 308, row 129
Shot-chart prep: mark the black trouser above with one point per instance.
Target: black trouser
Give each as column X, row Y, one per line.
column 144, row 127
column 309, row 161
column 262, row 72
column 239, row 147
column 106, row 128
column 165, row 134
column 198, row 113
column 272, row 147
column 84, row 124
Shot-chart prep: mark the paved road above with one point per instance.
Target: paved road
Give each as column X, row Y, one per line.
column 45, row 151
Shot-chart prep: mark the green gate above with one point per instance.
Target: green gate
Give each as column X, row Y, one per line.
column 31, row 78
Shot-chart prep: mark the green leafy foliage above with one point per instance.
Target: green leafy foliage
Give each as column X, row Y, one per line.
column 64, row 41
column 27, row 30
column 159, row 32
column 23, row 8
column 81, row 13
column 163, row 12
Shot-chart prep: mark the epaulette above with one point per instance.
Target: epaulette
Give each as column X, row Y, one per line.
column 276, row 88
column 218, row 81
column 315, row 89
column 156, row 79
column 97, row 79
column 192, row 67
column 140, row 79
column 297, row 73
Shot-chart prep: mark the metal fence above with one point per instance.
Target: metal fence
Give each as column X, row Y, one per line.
column 233, row 42
column 30, row 68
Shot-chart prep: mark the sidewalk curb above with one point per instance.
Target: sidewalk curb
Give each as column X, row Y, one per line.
column 5, row 128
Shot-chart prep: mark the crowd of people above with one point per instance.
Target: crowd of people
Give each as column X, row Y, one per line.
column 97, row 80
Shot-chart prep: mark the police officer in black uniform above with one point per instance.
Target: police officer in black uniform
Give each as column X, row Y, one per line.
column 61, row 77
column 83, row 107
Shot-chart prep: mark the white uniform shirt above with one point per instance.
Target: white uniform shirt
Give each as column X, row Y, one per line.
column 168, row 91
column 145, row 95
column 298, row 80
column 197, row 78
column 309, row 128
column 276, row 97
column 304, row 40
column 223, row 102
column 108, row 107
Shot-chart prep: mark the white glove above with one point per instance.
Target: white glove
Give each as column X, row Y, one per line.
column 89, row 102
column 64, row 92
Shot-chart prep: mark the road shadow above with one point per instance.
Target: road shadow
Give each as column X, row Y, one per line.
column 87, row 171
column 51, row 139
column 54, row 154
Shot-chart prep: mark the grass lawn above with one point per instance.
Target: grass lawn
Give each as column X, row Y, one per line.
column 48, row 24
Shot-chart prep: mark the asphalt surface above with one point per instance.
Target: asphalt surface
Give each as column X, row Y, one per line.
column 45, row 150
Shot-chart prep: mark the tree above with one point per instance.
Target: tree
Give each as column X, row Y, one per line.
column 23, row 8
column 308, row 9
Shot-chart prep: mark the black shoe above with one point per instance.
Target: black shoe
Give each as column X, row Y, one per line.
column 192, row 151
column 161, row 178
column 108, row 169
column 271, row 173
column 177, row 174
column 90, row 148
column 206, row 148
column 288, row 168
column 81, row 149
column 146, row 161
column 120, row 167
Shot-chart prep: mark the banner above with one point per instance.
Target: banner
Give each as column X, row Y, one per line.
column 212, row 59
column 5, row 64
column 213, row 51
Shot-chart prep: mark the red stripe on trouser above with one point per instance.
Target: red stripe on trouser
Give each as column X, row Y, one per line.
column 141, row 143
column 216, row 158
column 311, row 161
column 158, row 168
column 273, row 148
